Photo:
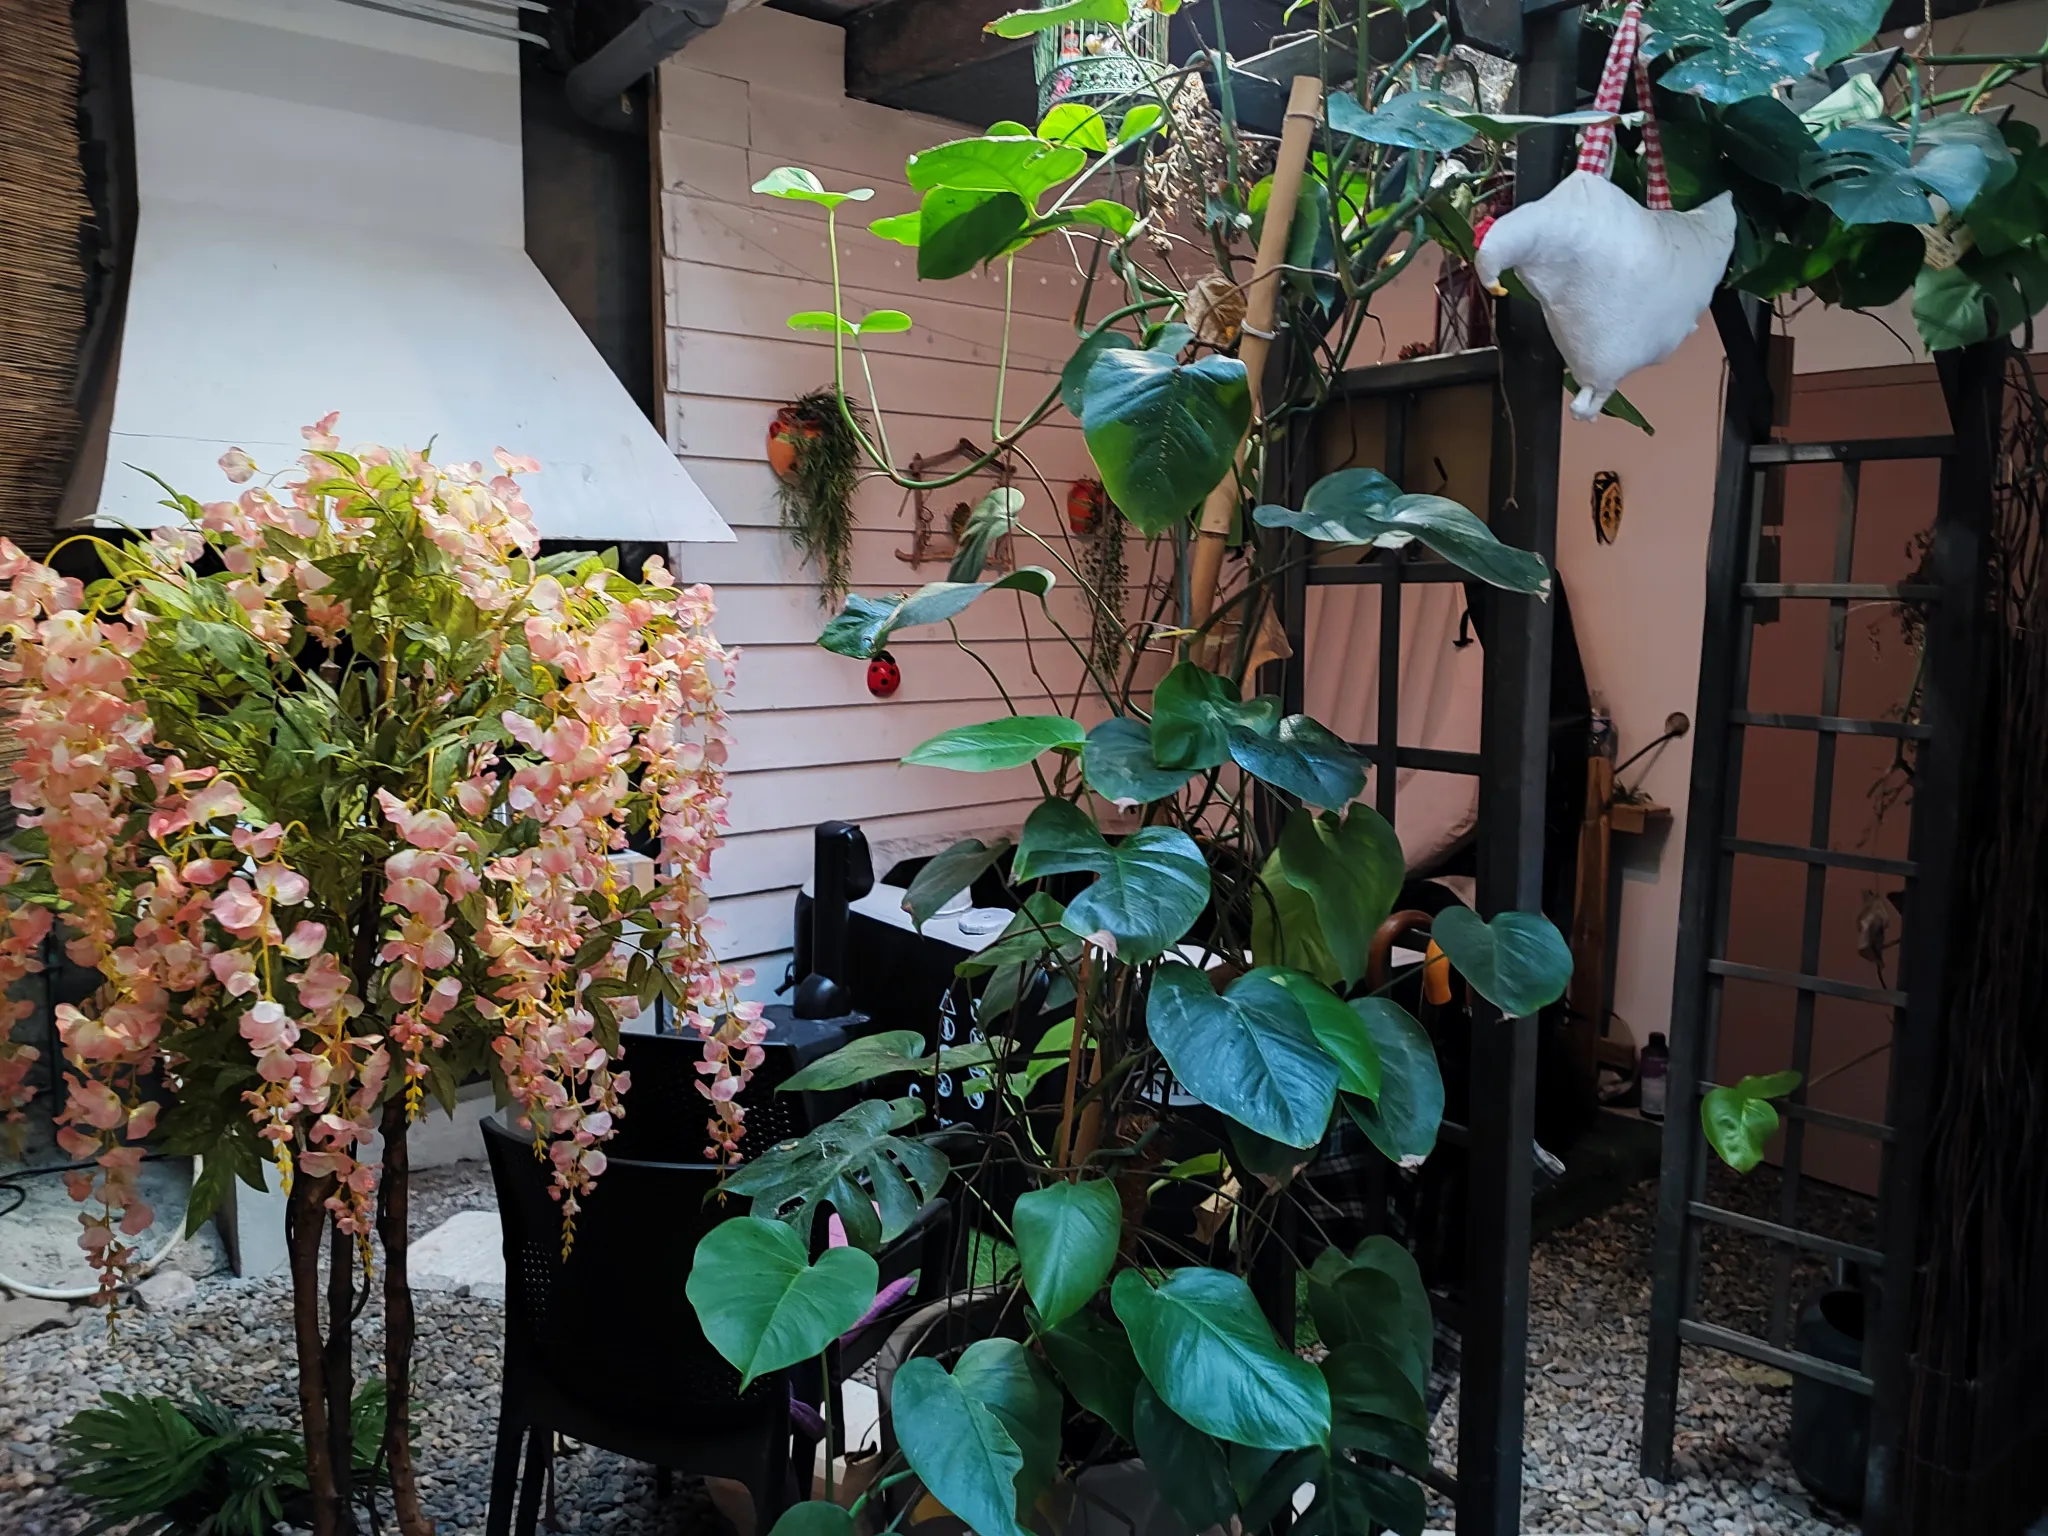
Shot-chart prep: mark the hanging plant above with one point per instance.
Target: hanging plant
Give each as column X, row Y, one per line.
column 1102, row 562
column 816, row 455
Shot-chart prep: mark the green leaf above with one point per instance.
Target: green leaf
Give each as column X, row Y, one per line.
column 1352, row 1498
column 1340, row 1032
column 1074, row 375
column 1076, row 123
column 1138, row 122
column 1503, row 126
column 854, row 1164
column 861, row 1061
column 1194, row 712
column 1287, row 929
column 1351, row 869
column 1961, row 155
column 1211, row 1356
column 948, row 874
column 1739, row 1120
column 1367, row 1382
column 1362, row 506
column 1519, row 962
column 1163, row 434
column 1149, row 889
column 796, row 184
column 899, row 228
column 1094, row 1359
column 958, row 1447
column 1023, row 23
column 1015, row 1387
column 1025, row 166
column 865, row 624
column 1866, row 178
column 1066, row 1244
column 994, row 745
column 1302, row 758
column 821, row 320
column 1100, row 212
column 1403, row 1121
column 763, row 1306
column 1765, row 138
column 1411, row 120
column 1390, row 1310
column 994, row 517
column 1845, row 25
column 1883, row 267
column 1772, row 47
column 1953, row 309
column 1117, row 763
column 959, row 230
column 1250, row 1053
column 815, row 1517
column 885, row 322
column 1617, row 406
column 1189, row 1467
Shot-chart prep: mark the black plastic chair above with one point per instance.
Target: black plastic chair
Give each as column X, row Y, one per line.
column 603, row 1347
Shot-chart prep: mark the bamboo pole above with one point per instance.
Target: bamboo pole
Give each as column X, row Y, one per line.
column 1304, row 111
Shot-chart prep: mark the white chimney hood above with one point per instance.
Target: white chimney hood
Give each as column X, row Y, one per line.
column 331, row 218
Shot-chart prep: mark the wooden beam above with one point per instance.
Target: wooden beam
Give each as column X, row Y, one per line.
column 900, row 43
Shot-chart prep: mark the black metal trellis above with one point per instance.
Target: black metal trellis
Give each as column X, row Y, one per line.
column 1951, row 599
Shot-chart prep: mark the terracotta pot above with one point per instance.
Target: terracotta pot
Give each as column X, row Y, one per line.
column 783, row 435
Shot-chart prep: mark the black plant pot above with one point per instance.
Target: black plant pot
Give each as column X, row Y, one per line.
column 1830, row 1424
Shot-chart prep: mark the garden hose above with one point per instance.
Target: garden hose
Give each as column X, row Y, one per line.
column 82, row 1292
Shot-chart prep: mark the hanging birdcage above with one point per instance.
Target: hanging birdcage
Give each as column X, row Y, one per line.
column 1100, row 65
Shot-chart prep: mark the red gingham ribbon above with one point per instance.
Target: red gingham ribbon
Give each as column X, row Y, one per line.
column 1596, row 149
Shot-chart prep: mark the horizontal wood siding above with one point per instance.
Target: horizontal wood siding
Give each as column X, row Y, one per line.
column 810, row 743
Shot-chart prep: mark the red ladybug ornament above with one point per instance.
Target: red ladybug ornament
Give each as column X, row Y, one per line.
column 884, row 676
column 1086, row 502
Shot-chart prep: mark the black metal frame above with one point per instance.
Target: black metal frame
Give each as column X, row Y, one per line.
column 1971, row 383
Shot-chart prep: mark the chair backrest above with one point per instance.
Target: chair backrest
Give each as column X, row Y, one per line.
column 665, row 1114
column 608, row 1327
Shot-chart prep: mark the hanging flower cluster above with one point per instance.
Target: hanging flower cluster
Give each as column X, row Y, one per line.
column 334, row 785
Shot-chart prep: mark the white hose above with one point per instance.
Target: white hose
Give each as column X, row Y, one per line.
column 87, row 1292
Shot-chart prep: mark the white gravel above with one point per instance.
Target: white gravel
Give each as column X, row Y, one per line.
column 1590, row 1300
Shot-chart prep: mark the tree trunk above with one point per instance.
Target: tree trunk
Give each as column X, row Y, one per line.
column 392, row 1217
column 305, row 1220
column 339, row 1366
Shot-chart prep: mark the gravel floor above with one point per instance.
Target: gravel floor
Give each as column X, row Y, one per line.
column 1589, row 1304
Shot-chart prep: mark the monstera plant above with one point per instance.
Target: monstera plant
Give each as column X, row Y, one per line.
column 1183, row 994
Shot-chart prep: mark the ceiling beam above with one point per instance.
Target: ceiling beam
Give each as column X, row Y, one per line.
column 898, row 45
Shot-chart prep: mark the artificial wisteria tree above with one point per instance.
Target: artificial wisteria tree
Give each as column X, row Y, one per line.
column 332, row 785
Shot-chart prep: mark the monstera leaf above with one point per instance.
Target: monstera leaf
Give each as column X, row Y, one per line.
column 1250, row 1052
column 1194, row 711
column 1164, row 434
column 1150, row 887
column 1118, row 764
column 1403, row 1121
column 982, row 1435
column 1349, row 870
column 1773, row 46
column 1519, row 962
column 865, row 624
column 1362, row 506
column 764, row 1305
column 1066, row 1244
column 874, row 1179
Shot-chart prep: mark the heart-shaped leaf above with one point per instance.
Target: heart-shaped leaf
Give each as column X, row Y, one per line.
column 1094, row 1359
column 958, row 1447
column 1740, row 1120
column 815, row 1517
column 1339, row 1031
column 1765, row 137
column 1163, row 434
column 1194, row 712
column 1066, row 1244
column 1303, row 759
column 1519, row 962
column 795, row 184
column 861, row 1061
column 948, row 874
column 1403, row 1121
column 1074, row 375
column 875, row 1180
column 1367, row 1382
column 1014, row 1386
column 1351, row 870
column 1362, row 506
column 1189, row 1467
column 958, row 230
column 761, row 1303
column 1250, row 1053
column 993, row 745
column 994, row 517
column 1210, row 1354
column 1149, row 889
column 865, row 624
column 1117, row 763
column 1024, row 165
column 1411, row 120
column 1389, row 1309
column 1076, row 123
